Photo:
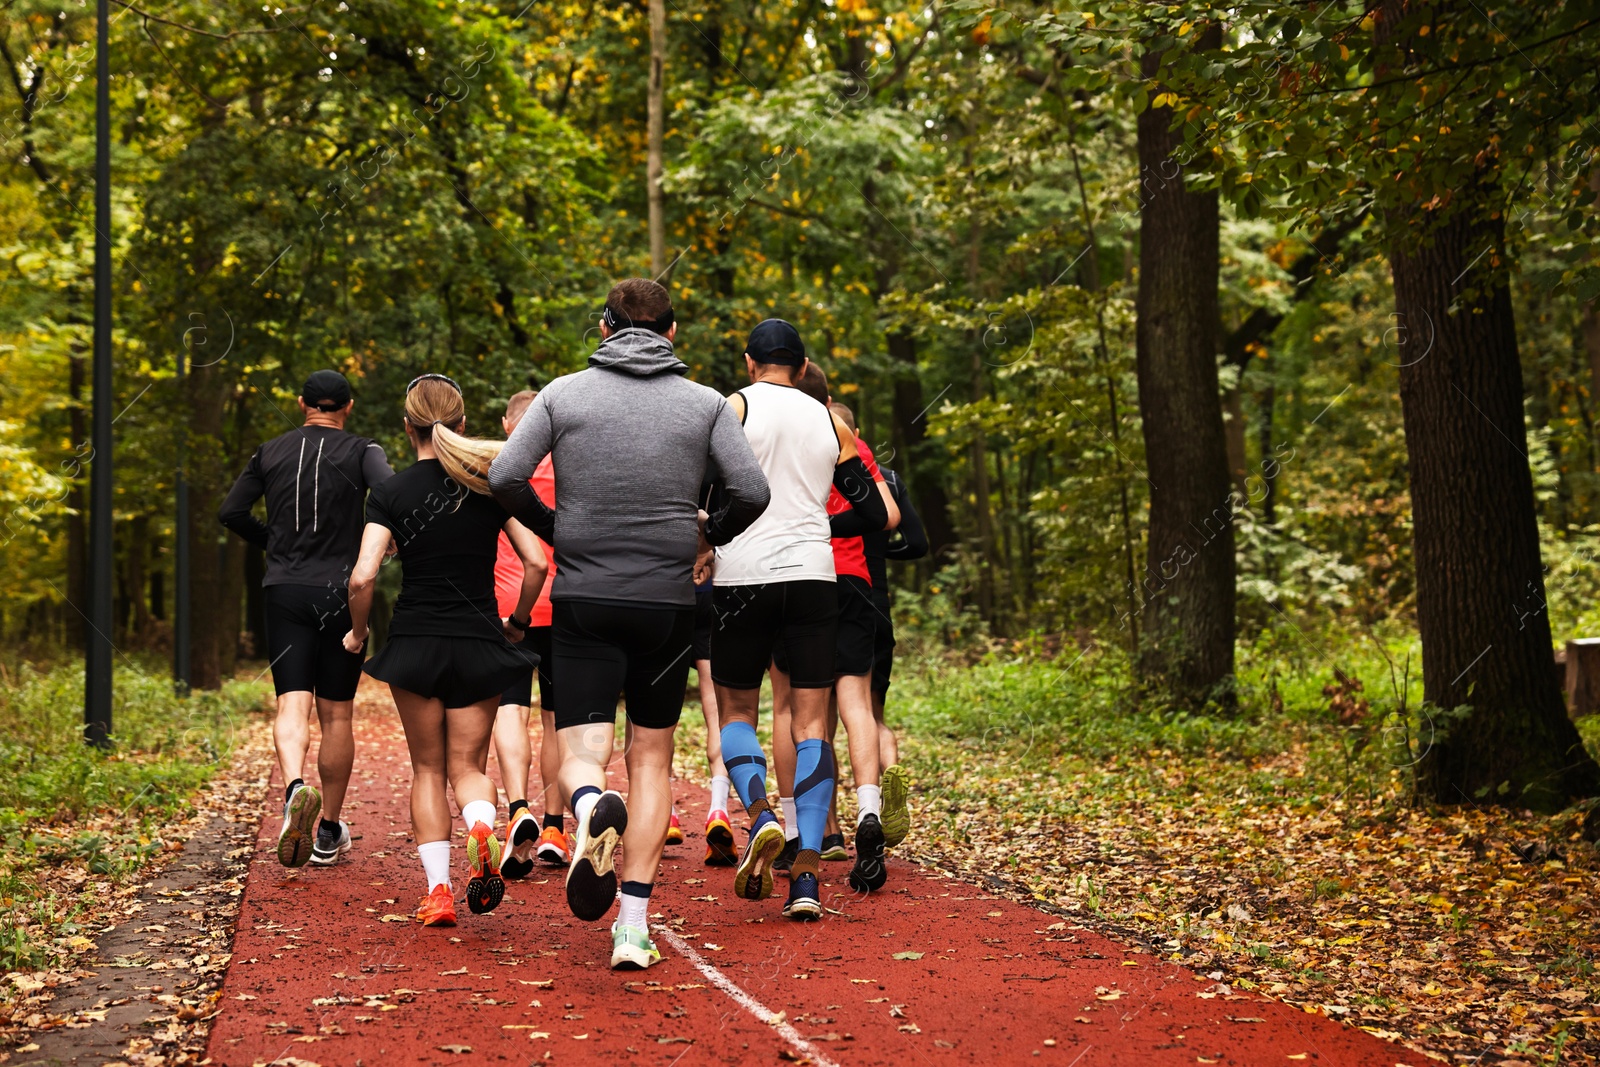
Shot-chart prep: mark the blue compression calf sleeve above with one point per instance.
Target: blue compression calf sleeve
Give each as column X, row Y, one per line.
column 747, row 765
column 813, row 789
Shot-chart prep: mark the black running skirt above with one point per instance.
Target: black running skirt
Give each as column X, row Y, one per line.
column 458, row 671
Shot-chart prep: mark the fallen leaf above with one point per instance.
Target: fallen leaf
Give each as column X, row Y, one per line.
column 457, row 1049
column 458, row 970
column 908, row 955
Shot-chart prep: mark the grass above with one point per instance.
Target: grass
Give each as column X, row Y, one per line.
column 75, row 821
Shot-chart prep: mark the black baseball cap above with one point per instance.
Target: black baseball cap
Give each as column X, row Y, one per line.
column 776, row 341
column 326, row 390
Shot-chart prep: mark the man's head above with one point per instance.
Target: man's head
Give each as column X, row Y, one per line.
column 775, row 350
column 846, row 416
column 325, row 398
column 814, row 384
column 638, row 303
column 514, row 409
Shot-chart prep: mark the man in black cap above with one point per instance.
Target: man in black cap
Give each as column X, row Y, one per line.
column 315, row 480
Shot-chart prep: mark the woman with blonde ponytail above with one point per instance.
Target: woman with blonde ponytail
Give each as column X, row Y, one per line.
column 448, row 657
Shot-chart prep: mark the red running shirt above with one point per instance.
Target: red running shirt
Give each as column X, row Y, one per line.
column 849, row 553
column 508, row 565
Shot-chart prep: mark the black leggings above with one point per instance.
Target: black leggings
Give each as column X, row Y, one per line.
column 605, row 648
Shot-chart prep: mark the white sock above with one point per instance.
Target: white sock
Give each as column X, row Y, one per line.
column 720, row 788
column 791, row 818
column 435, row 856
column 476, row 811
column 634, row 911
column 583, row 806
column 869, row 801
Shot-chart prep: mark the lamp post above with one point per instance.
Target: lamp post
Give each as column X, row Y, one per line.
column 97, row 656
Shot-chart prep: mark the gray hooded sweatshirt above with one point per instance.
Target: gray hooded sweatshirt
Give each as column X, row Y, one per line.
column 633, row 442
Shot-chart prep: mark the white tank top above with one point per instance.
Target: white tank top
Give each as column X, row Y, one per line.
column 794, row 441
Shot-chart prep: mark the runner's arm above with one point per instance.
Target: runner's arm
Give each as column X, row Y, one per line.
column 511, row 469
column 855, row 483
column 534, row 566
column 375, row 469
column 913, row 540
column 374, row 544
column 744, row 493
column 235, row 511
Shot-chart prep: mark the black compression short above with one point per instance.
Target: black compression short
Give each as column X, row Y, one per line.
column 883, row 646
column 520, row 692
column 306, row 625
column 603, row 649
column 858, row 624
column 795, row 621
column 705, row 620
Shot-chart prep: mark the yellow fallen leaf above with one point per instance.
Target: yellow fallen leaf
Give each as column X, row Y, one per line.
column 392, row 918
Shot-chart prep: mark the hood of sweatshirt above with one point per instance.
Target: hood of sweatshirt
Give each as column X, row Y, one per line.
column 638, row 352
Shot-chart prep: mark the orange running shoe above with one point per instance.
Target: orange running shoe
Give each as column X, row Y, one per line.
column 438, row 908
column 674, row 831
column 485, row 886
column 719, row 841
column 554, row 847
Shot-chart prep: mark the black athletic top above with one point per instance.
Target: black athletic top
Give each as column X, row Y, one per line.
column 447, row 536
column 906, row 541
column 315, row 480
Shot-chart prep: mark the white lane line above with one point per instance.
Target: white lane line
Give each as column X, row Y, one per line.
column 743, row 999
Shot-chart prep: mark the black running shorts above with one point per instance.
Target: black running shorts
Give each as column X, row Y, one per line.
column 883, row 646
column 795, row 621
column 705, row 621
column 857, row 633
column 457, row 671
column 604, row 649
column 306, row 625
column 520, row 692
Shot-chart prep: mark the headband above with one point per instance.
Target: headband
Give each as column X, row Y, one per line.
column 623, row 322
column 432, row 378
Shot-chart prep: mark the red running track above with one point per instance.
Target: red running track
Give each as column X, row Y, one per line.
column 324, row 973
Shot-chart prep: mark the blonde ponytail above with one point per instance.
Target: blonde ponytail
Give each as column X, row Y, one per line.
column 433, row 408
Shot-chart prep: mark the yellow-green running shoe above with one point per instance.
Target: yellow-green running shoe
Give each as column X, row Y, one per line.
column 896, row 813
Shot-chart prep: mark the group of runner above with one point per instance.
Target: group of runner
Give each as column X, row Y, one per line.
column 745, row 536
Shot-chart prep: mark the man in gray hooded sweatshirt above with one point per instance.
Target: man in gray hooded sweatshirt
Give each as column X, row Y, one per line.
column 633, row 441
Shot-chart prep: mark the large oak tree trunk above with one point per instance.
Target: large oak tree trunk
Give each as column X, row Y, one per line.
column 1188, row 584
column 1500, row 731
column 212, row 630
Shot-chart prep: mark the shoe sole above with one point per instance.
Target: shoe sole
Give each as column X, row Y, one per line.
column 757, row 863
column 592, row 878
column 719, row 848
column 298, row 839
column 629, row 958
column 441, row 920
column 869, row 873
column 836, row 854
column 553, row 856
column 896, row 809
column 804, row 910
column 518, row 862
column 486, row 888
column 320, row 858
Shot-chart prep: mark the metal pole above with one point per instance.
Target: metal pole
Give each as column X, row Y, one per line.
column 181, row 677
column 97, row 658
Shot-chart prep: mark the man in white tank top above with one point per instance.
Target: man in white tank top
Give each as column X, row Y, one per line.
column 774, row 585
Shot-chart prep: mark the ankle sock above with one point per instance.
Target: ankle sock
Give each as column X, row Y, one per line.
column 516, row 806
column 634, row 908
column 324, row 826
column 435, row 856
column 721, row 785
column 791, row 818
column 475, row 811
column 813, row 791
column 869, row 801
column 584, row 798
column 553, row 820
column 747, row 764
column 288, row 790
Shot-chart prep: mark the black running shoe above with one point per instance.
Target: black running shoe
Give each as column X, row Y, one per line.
column 833, row 848
column 870, row 872
column 592, row 878
column 785, row 860
column 804, row 903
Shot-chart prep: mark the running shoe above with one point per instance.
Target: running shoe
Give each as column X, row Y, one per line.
column 804, row 903
column 896, row 810
column 485, row 886
column 719, row 841
column 592, row 878
column 753, row 879
column 833, row 848
column 521, row 838
column 331, row 843
column 300, row 814
column 632, row 949
column 555, row 848
column 674, row 831
column 785, row 860
column 438, row 908
column 870, row 871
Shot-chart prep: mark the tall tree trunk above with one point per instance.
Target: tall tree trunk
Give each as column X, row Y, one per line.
column 1269, row 461
column 1502, row 733
column 1188, row 584
column 656, row 120
column 77, row 528
column 207, row 484
column 910, row 437
column 137, row 563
